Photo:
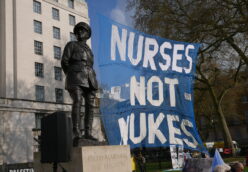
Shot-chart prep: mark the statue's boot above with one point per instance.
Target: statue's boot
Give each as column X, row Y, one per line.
column 89, row 136
column 76, row 133
column 88, row 119
column 76, row 123
column 76, row 95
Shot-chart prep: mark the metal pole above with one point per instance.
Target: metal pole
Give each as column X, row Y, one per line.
column 55, row 167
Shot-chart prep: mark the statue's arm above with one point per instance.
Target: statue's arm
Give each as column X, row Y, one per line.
column 66, row 57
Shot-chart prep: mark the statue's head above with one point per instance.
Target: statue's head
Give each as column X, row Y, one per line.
column 82, row 31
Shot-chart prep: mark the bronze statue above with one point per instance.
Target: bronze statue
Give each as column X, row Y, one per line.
column 77, row 63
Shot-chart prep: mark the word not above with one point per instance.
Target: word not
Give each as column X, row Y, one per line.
column 125, row 43
column 138, row 90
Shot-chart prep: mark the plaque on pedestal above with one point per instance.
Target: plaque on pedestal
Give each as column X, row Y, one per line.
column 92, row 159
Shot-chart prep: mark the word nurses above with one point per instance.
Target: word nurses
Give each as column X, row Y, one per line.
column 149, row 50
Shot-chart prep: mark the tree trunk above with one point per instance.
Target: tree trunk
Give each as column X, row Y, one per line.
column 226, row 133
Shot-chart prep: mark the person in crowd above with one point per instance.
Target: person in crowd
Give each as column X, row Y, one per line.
column 141, row 161
column 237, row 167
column 222, row 168
column 246, row 158
column 133, row 163
column 187, row 154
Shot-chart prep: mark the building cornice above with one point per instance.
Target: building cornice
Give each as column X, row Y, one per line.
column 21, row 105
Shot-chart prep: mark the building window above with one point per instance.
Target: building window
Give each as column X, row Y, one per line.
column 39, row 70
column 37, row 27
column 55, row 13
column 38, row 117
column 40, row 93
column 58, row 73
column 72, row 20
column 246, row 117
column 38, row 47
column 37, row 7
column 72, row 37
column 57, row 52
column 244, row 99
column 56, row 33
column 71, row 4
column 59, row 95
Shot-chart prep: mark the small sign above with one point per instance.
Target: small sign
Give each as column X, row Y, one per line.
column 177, row 157
column 22, row 170
column 187, row 96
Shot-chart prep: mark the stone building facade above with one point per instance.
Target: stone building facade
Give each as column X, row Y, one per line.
column 33, row 34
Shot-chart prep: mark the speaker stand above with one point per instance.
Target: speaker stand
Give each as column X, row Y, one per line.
column 91, row 159
column 55, row 166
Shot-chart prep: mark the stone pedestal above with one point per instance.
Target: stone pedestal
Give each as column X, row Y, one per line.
column 92, row 159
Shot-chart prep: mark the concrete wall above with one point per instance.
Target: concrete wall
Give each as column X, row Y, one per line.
column 16, row 136
column 17, row 119
column 26, row 58
column 17, row 56
column 17, row 71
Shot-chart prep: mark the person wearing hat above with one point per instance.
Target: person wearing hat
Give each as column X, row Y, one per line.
column 77, row 64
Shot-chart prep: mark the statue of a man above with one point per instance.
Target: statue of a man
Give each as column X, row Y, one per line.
column 77, row 63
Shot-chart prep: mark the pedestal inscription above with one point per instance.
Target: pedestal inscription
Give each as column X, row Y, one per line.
column 106, row 158
column 93, row 159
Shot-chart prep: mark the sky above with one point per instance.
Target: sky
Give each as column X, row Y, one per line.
column 113, row 9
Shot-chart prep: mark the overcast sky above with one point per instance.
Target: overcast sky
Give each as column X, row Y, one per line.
column 114, row 9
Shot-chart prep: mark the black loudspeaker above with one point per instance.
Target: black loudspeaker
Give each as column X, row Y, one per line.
column 56, row 138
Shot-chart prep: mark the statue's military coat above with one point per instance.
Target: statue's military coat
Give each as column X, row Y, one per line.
column 77, row 63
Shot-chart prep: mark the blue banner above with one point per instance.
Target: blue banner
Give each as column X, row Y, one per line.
column 146, row 88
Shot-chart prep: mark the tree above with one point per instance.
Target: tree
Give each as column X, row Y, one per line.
column 219, row 25
column 210, row 22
